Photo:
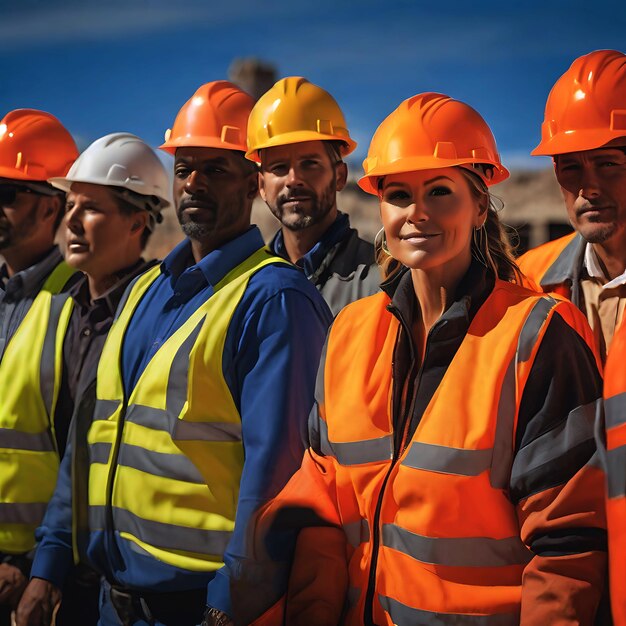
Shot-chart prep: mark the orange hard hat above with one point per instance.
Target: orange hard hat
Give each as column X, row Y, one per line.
column 586, row 108
column 34, row 145
column 216, row 116
column 430, row 131
column 296, row 110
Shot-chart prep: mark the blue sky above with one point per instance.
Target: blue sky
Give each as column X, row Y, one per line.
column 105, row 66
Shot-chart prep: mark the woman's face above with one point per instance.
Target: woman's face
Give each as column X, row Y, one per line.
column 429, row 216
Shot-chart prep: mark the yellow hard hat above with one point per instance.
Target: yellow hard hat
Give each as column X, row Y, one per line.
column 292, row 111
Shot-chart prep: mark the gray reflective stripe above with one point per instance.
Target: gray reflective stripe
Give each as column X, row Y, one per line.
column 314, row 421
column 97, row 517
column 356, row 452
column 48, row 352
column 564, row 266
column 155, row 419
column 320, row 389
column 357, row 532
column 505, row 424
column 36, row 442
column 161, row 535
column 403, row 615
column 22, row 512
column 105, row 408
column 616, row 471
column 532, row 327
column 99, row 452
column 177, row 382
column 207, row 431
column 434, row 458
column 554, row 444
column 352, row 597
column 181, row 430
column 175, row 466
column 615, row 410
column 457, row 551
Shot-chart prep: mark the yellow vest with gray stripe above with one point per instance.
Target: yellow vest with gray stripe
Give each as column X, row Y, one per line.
column 30, row 374
column 166, row 461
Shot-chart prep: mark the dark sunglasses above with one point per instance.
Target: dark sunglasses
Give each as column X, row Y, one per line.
column 9, row 191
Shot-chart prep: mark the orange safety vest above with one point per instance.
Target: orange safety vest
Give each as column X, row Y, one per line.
column 547, row 266
column 615, row 411
column 433, row 536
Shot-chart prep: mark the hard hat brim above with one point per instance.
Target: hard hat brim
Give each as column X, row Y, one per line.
column 577, row 141
column 199, row 142
column 14, row 174
column 300, row 136
column 368, row 183
column 65, row 184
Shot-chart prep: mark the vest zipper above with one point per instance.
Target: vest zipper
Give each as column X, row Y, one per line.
column 368, row 615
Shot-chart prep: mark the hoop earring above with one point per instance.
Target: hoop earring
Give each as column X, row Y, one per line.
column 478, row 239
column 380, row 235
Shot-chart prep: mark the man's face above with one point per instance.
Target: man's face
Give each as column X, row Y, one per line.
column 593, row 183
column 213, row 193
column 99, row 239
column 21, row 214
column 299, row 183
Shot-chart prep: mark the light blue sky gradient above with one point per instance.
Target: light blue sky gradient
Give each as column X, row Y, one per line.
column 106, row 66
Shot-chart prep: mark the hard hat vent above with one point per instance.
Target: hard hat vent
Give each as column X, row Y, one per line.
column 231, row 134
column 445, row 150
column 325, row 127
column 618, row 119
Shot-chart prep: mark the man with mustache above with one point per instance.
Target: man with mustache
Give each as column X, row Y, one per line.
column 34, row 146
column 298, row 134
column 584, row 131
column 115, row 190
column 203, row 390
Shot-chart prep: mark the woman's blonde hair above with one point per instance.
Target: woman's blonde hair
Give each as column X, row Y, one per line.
column 490, row 244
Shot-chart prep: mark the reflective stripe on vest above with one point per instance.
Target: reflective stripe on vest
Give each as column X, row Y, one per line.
column 30, row 374
column 165, row 463
column 439, row 561
column 615, row 413
column 403, row 615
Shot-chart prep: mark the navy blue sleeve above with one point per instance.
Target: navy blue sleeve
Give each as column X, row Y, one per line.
column 54, row 557
column 272, row 378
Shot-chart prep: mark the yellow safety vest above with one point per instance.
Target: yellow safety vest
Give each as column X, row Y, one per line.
column 30, row 374
column 166, row 460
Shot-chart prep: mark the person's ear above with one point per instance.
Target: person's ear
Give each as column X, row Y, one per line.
column 341, row 175
column 139, row 223
column 261, row 183
column 51, row 207
column 253, row 185
column 483, row 208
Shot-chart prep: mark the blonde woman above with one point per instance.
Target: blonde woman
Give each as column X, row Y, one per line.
column 451, row 475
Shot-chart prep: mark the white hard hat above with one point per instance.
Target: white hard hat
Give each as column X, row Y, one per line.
column 124, row 161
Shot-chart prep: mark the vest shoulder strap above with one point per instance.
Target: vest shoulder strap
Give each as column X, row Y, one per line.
column 58, row 278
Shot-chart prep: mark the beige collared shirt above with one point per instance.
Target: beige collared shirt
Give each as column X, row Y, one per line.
column 604, row 300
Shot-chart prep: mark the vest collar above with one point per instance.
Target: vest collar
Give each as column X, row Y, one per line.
column 470, row 294
column 215, row 265
column 315, row 261
column 568, row 265
column 29, row 281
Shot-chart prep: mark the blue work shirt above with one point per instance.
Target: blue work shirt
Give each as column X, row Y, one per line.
column 311, row 262
column 270, row 361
